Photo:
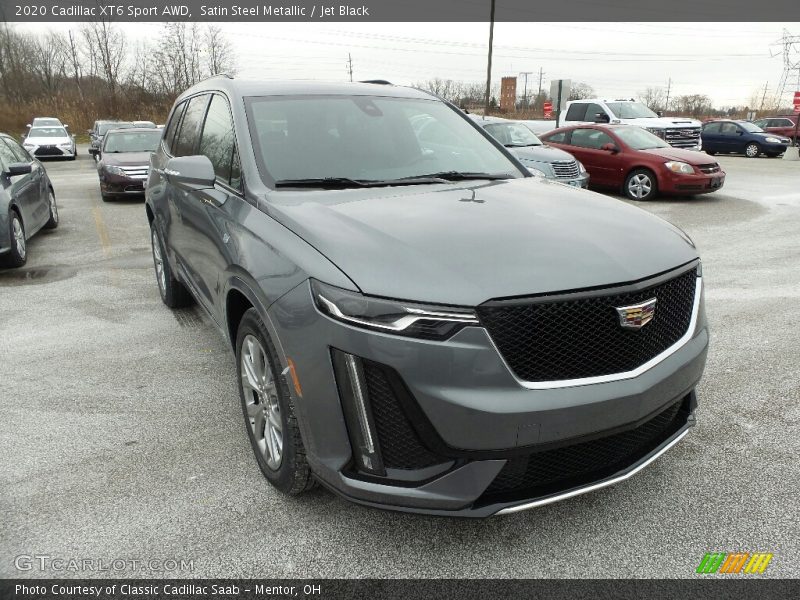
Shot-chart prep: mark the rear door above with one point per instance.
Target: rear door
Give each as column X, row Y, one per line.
column 711, row 137
column 40, row 199
column 732, row 138
column 23, row 189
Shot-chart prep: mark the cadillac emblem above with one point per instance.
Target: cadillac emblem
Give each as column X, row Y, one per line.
column 637, row 316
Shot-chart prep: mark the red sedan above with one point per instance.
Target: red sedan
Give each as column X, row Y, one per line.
column 631, row 159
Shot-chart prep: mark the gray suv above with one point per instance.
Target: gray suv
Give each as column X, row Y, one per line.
column 419, row 324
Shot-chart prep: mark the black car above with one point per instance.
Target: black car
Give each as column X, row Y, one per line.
column 98, row 132
column 27, row 201
column 741, row 137
column 419, row 323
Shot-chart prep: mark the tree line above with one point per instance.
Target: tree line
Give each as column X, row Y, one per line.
column 97, row 72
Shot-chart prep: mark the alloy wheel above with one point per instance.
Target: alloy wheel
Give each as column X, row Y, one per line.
column 751, row 151
column 640, row 185
column 19, row 236
column 159, row 263
column 261, row 399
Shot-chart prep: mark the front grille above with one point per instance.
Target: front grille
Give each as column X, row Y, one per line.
column 565, row 169
column 580, row 336
column 710, row 168
column 684, row 137
column 136, row 172
column 48, row 151
column 543, row 473
column 400, row 446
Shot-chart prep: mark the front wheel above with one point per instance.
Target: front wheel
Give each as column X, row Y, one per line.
column 269, row 417
column 18, row 253
column 52, row 223
column 641, row 184
column 173, row 293
column 752, row 150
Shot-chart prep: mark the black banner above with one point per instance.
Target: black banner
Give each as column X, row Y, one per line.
column 371, row 589
column 783, row 11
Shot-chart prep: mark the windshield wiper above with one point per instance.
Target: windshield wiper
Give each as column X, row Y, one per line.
column 462, row 175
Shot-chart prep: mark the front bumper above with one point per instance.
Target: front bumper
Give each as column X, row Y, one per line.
column 118, row 185
column 582, row 181
column 44, row 152
column 679, row 183
column 465, row 408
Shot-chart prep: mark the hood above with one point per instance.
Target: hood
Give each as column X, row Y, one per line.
column 48, row 141
column 465, row 243
column 539, row 153
column 663, row 122
column 688, row 156
column 126, row 158
column 766, row 134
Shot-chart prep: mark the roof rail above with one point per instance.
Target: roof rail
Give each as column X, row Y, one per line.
column 377, row 81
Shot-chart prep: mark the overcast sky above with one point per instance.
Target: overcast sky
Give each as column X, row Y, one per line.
column 728, row 62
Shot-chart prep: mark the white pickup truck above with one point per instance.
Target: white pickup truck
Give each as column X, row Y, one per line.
column 679, row 132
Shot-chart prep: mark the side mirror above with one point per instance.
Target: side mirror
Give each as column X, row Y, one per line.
column 601, row 118
column 15, row 169
column 65, row 125
column 610, row 148
column 190, row 172
column 660, row 113
column 28, row 125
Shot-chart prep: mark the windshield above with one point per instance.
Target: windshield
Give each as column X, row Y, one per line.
column 631, row 110
column 103, row 128
column 46, row 121
column 751, row 127
column 135, row 141
column 48, row 132
column 639, row 139
column 367, row 138
column 513, row 134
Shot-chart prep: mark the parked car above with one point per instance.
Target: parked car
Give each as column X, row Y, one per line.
column 46, row 122
column 679, row 132
column 147, row 124
column 27, row 201
column 742, row 137
column 50, row 142
column 124, row 161
column 539, row 159
column 99, row 130
column 783, row 126
column 640, row 164
column 421, row 325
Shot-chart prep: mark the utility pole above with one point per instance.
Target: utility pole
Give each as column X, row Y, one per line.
column 350, row 66
column 525, row 93
column 764, row 97
column 489, row 63
column 669, row 87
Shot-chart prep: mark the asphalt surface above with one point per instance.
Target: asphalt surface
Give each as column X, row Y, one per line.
column 122, row 435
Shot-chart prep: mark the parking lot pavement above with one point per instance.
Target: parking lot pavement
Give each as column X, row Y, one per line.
column 123, row 437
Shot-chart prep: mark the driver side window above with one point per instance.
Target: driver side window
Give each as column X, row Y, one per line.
column 729, row 129
column 590, row 138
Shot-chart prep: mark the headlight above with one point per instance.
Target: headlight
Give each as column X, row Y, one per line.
column 65, row 146
column 581, row 168
column 657, row 132
column 390, row 316
column 536, row 172
column 773, row 140
column 680, row 167
column 112, row 170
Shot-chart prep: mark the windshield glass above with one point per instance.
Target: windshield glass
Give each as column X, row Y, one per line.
column 42, row 121
column 135, row 141
column 751, row 127
column 639, row 139
column 48, row 132
column 367, row 138
column 513, row 134
column 103, row 128
column 631, row 110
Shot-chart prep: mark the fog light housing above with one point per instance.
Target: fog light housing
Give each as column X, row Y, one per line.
column 349, row 372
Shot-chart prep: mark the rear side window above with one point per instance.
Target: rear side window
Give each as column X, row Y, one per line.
column 590, row 138
column 169, row 133
column 218, row 142
column 576, row 112
column 186, row 140
column 558, row 138
column 711, row 128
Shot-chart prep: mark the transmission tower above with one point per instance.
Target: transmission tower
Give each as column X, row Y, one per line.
column 790, row 78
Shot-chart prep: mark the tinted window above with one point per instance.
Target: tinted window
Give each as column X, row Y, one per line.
column 19, row 152
column 577, row 112
column 134, row 141
column 590, row 138
column 186, row 140
column 729, row 129
column 592, row 111
column 6, row 155
column 558, row 138
column 763, row 123
column 711, row 128
column 217, row 141
column 777, row 123
column 169, row 133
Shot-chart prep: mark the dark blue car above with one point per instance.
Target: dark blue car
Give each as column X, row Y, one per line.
column 741, row 137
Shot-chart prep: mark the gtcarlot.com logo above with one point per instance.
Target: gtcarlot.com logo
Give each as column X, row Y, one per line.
column 45, row 562
column 734, row 562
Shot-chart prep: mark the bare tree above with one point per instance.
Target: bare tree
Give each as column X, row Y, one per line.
column 49, row 62
column 654, row 97
column 218, row 53
column 695, row 105
column 581, row 91
column 107, row 48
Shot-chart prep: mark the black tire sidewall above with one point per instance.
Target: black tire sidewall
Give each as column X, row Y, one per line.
column 285, row 476
column 52, row 222
column 12, row 257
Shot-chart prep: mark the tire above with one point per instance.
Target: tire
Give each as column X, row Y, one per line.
column 52, row 223
column 18, row 254
column 173, row 293
column 752, row 150
column 710, row 152
column 268, row 410
column 106, row 197
column 641, row 185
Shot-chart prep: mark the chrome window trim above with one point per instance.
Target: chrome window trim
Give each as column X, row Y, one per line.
column 565, row 383
column 595, row 486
